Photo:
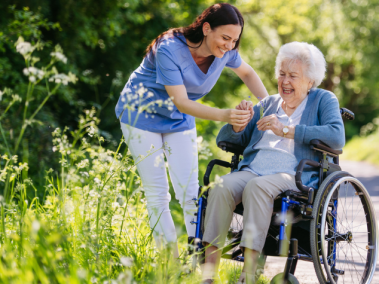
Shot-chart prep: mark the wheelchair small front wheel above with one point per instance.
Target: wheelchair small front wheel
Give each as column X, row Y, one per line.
column 343, row 233
column 278, row 279
column 198, row 256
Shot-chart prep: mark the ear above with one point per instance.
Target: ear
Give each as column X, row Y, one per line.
column 310, row 84
column 206, row 28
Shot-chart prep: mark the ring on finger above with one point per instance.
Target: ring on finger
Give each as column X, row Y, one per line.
column 268, row 123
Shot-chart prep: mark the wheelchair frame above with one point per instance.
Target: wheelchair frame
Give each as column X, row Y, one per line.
column 289, row 200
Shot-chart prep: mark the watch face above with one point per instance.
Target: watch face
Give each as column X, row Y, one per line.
column 285, row 130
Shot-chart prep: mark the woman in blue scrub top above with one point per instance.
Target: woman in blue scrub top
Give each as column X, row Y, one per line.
column 157, row 109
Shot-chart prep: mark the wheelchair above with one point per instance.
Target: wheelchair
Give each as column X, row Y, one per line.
column 333, row 226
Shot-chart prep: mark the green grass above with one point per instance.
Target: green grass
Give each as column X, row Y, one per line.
column 363, row 149
column 91, row 225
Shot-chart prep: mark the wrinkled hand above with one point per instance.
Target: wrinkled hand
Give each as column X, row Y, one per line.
column 271, row 122
column 246, row 106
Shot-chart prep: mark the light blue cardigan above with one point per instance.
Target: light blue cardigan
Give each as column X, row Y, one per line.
column 321, row 120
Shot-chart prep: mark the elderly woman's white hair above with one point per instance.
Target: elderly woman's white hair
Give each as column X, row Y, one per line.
column 312, row 58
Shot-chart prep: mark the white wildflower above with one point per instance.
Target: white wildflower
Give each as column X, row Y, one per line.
column 81, row 273
column 115, row 205
column 91, row 131
column 84, row 174
column 159, row 161
column 84, row 163
column 63, row 78
column 87, row 72
column 15, row 98
column 94, row 194
column 24, row 47
column 69, row 207
column 126, row 261
column 59, row 56
column 218, row 180
column 34, row 73
column 36, row 226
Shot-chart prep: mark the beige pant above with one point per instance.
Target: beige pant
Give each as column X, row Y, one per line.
column 257, row 194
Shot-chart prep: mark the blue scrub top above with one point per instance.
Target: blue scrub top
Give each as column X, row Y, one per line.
column 144, row 102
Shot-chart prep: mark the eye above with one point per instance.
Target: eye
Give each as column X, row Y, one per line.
column 225, row 38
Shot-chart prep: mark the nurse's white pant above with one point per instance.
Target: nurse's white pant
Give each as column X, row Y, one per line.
column 180, row 149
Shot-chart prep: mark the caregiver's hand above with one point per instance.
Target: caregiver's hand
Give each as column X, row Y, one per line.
column 244, row 105
column 237, row 117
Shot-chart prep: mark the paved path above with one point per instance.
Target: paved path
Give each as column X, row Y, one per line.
column 305, row 273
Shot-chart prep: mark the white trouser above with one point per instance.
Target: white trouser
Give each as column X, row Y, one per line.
column 180, row 149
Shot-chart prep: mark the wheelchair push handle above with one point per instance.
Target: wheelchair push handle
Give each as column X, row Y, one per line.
column 210, row 167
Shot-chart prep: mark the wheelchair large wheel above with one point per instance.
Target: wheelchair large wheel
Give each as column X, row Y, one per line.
column 235, row 231
column 344, row 231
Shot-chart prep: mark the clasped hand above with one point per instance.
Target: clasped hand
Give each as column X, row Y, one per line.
column 270, row 122
column 242, row 115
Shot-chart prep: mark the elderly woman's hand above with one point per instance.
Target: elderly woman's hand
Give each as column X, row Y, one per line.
column 271, row 122
column 244, row 105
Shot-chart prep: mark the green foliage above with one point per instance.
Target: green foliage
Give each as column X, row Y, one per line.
column 43, row 83
column 364, row 147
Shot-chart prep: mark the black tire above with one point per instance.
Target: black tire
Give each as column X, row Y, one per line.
column 278, row 279
column 337, row 243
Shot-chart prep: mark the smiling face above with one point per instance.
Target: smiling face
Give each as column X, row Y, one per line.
column 222, row 39
column 293, row 85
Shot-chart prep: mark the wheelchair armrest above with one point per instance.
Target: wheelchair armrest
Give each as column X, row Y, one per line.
column 322, row 147
column 230, row 147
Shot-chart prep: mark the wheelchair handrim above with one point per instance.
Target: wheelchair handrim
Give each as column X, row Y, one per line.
column 373, row 222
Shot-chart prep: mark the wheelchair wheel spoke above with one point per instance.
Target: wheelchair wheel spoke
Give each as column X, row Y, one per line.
column 344, row 231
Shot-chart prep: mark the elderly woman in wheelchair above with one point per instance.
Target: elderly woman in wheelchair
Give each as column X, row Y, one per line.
column 280, row 135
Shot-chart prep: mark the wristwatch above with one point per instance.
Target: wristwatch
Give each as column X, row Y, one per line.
column 285, row 131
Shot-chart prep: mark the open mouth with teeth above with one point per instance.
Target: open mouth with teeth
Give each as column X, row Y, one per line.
column 222, row 50
column 288, row 91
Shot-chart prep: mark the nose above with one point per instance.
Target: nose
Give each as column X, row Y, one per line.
column 229, row 46
column 286, row 80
